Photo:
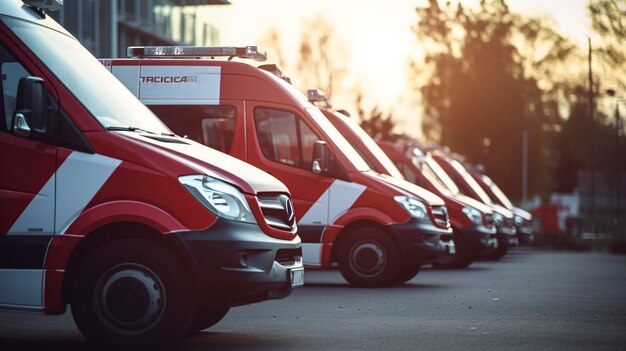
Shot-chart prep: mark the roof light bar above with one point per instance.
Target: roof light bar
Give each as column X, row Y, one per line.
column 275, row 70
column 318, row 97
column 52, row 5
column 248, row 52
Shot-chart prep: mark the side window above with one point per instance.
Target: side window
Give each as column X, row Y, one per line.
column 11, row 72
column 284, row 138
column 211, row 125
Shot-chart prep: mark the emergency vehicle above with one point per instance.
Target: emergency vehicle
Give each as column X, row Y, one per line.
column 148, row 236
column 377, row 230
column 471, row 220
column 522, row 219
column 502, row 218
column 472, row 229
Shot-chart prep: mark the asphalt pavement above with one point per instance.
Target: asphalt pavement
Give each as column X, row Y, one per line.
column 531, row 299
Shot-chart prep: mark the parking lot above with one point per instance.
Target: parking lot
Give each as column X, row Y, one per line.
column 531, row 299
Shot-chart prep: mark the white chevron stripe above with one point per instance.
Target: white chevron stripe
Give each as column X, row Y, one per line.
column 78, row 180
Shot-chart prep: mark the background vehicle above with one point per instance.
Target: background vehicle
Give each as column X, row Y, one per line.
column 503, row 218
column 379, row 231
column 522, row 219
column 147, row 236
column 471, row 220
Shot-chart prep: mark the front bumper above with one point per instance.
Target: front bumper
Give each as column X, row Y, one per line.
column 506, row 235
column 420, row 241
column 235, row 263
column 478, row 237
column 525, row 234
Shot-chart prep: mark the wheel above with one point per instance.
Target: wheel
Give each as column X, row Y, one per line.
column 407, row 273
column 368, row 257
column 461, row 258
column 132, row 293
column 206, row 318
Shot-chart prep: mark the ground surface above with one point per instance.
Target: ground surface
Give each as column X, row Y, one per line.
column 531, row 299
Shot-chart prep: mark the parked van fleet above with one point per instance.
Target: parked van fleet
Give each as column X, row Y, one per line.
column 377, row 232
column 503, row 218
column 471, row 220
column 148, row 236
column 522, row 219
column 376, row 159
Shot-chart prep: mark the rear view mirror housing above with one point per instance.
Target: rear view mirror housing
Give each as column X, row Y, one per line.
column 321, row 158
column 31, row 109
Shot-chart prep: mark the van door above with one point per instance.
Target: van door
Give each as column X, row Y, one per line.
column 281, row 143
column 27, row 197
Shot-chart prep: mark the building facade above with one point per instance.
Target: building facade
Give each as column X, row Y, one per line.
column 108, row 27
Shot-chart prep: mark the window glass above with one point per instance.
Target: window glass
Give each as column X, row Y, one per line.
column 211, row 125
column 94, row 86
column 11, row 72
column 284, row 138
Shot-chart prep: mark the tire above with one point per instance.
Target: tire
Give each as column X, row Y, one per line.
column 368, row 257
column 206, row 318
column 132, row 293
column 461, row 258
column 407, row 273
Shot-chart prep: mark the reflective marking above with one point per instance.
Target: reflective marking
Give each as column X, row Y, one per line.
column 312, row 254
column 324, row 211
column 21, row 287
column 342, row 196
column 79, row 178
column 38, row 214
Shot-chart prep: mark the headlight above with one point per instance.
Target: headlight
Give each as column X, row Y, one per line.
column 219, row 197
column 498, row 218
column 413, row 206
column 473, row 214
column 518, row 220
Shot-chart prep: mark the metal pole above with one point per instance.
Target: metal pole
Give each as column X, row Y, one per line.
column 618, row 162
column 524, row 166
column 591, row 141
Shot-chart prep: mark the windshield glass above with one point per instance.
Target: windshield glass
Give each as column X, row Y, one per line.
column 92, row 84
column 470, row 181
column 436, row 175
column 341, row 142
column 374, row 148
column 498, row 192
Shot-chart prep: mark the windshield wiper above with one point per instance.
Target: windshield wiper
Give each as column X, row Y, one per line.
column 129, row 129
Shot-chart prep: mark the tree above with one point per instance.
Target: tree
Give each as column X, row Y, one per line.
column 608, row 19
column 376, row 124
column 488, row 75
column 322, row 61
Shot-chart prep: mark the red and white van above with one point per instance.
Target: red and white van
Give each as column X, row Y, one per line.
column 503, row 218
column 148, row 236
column 522, row 219
column 471, row 220
column 376, row 229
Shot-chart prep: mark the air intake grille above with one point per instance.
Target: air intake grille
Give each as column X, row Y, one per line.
column 278, row 211
column 441, row 215
column 287, row 257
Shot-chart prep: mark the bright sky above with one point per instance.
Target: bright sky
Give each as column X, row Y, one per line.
column 378, row 39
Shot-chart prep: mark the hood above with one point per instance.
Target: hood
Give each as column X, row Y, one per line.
column 522, row 213
column 411, row 188
column 468, row 201
column 501, row 210
column 211, row 162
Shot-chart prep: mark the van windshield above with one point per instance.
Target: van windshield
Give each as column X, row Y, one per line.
column 470, row 181
column 83, row 75
column 342, row 144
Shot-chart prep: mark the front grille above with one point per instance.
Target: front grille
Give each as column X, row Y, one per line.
column 489, row 218
column 278, row 211
column 287, row 257
column 441, row 215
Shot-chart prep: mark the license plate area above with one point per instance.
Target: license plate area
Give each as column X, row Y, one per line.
column 297, row 277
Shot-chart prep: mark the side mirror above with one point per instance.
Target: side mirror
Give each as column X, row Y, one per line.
column 321, row 159
column 30, row 107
